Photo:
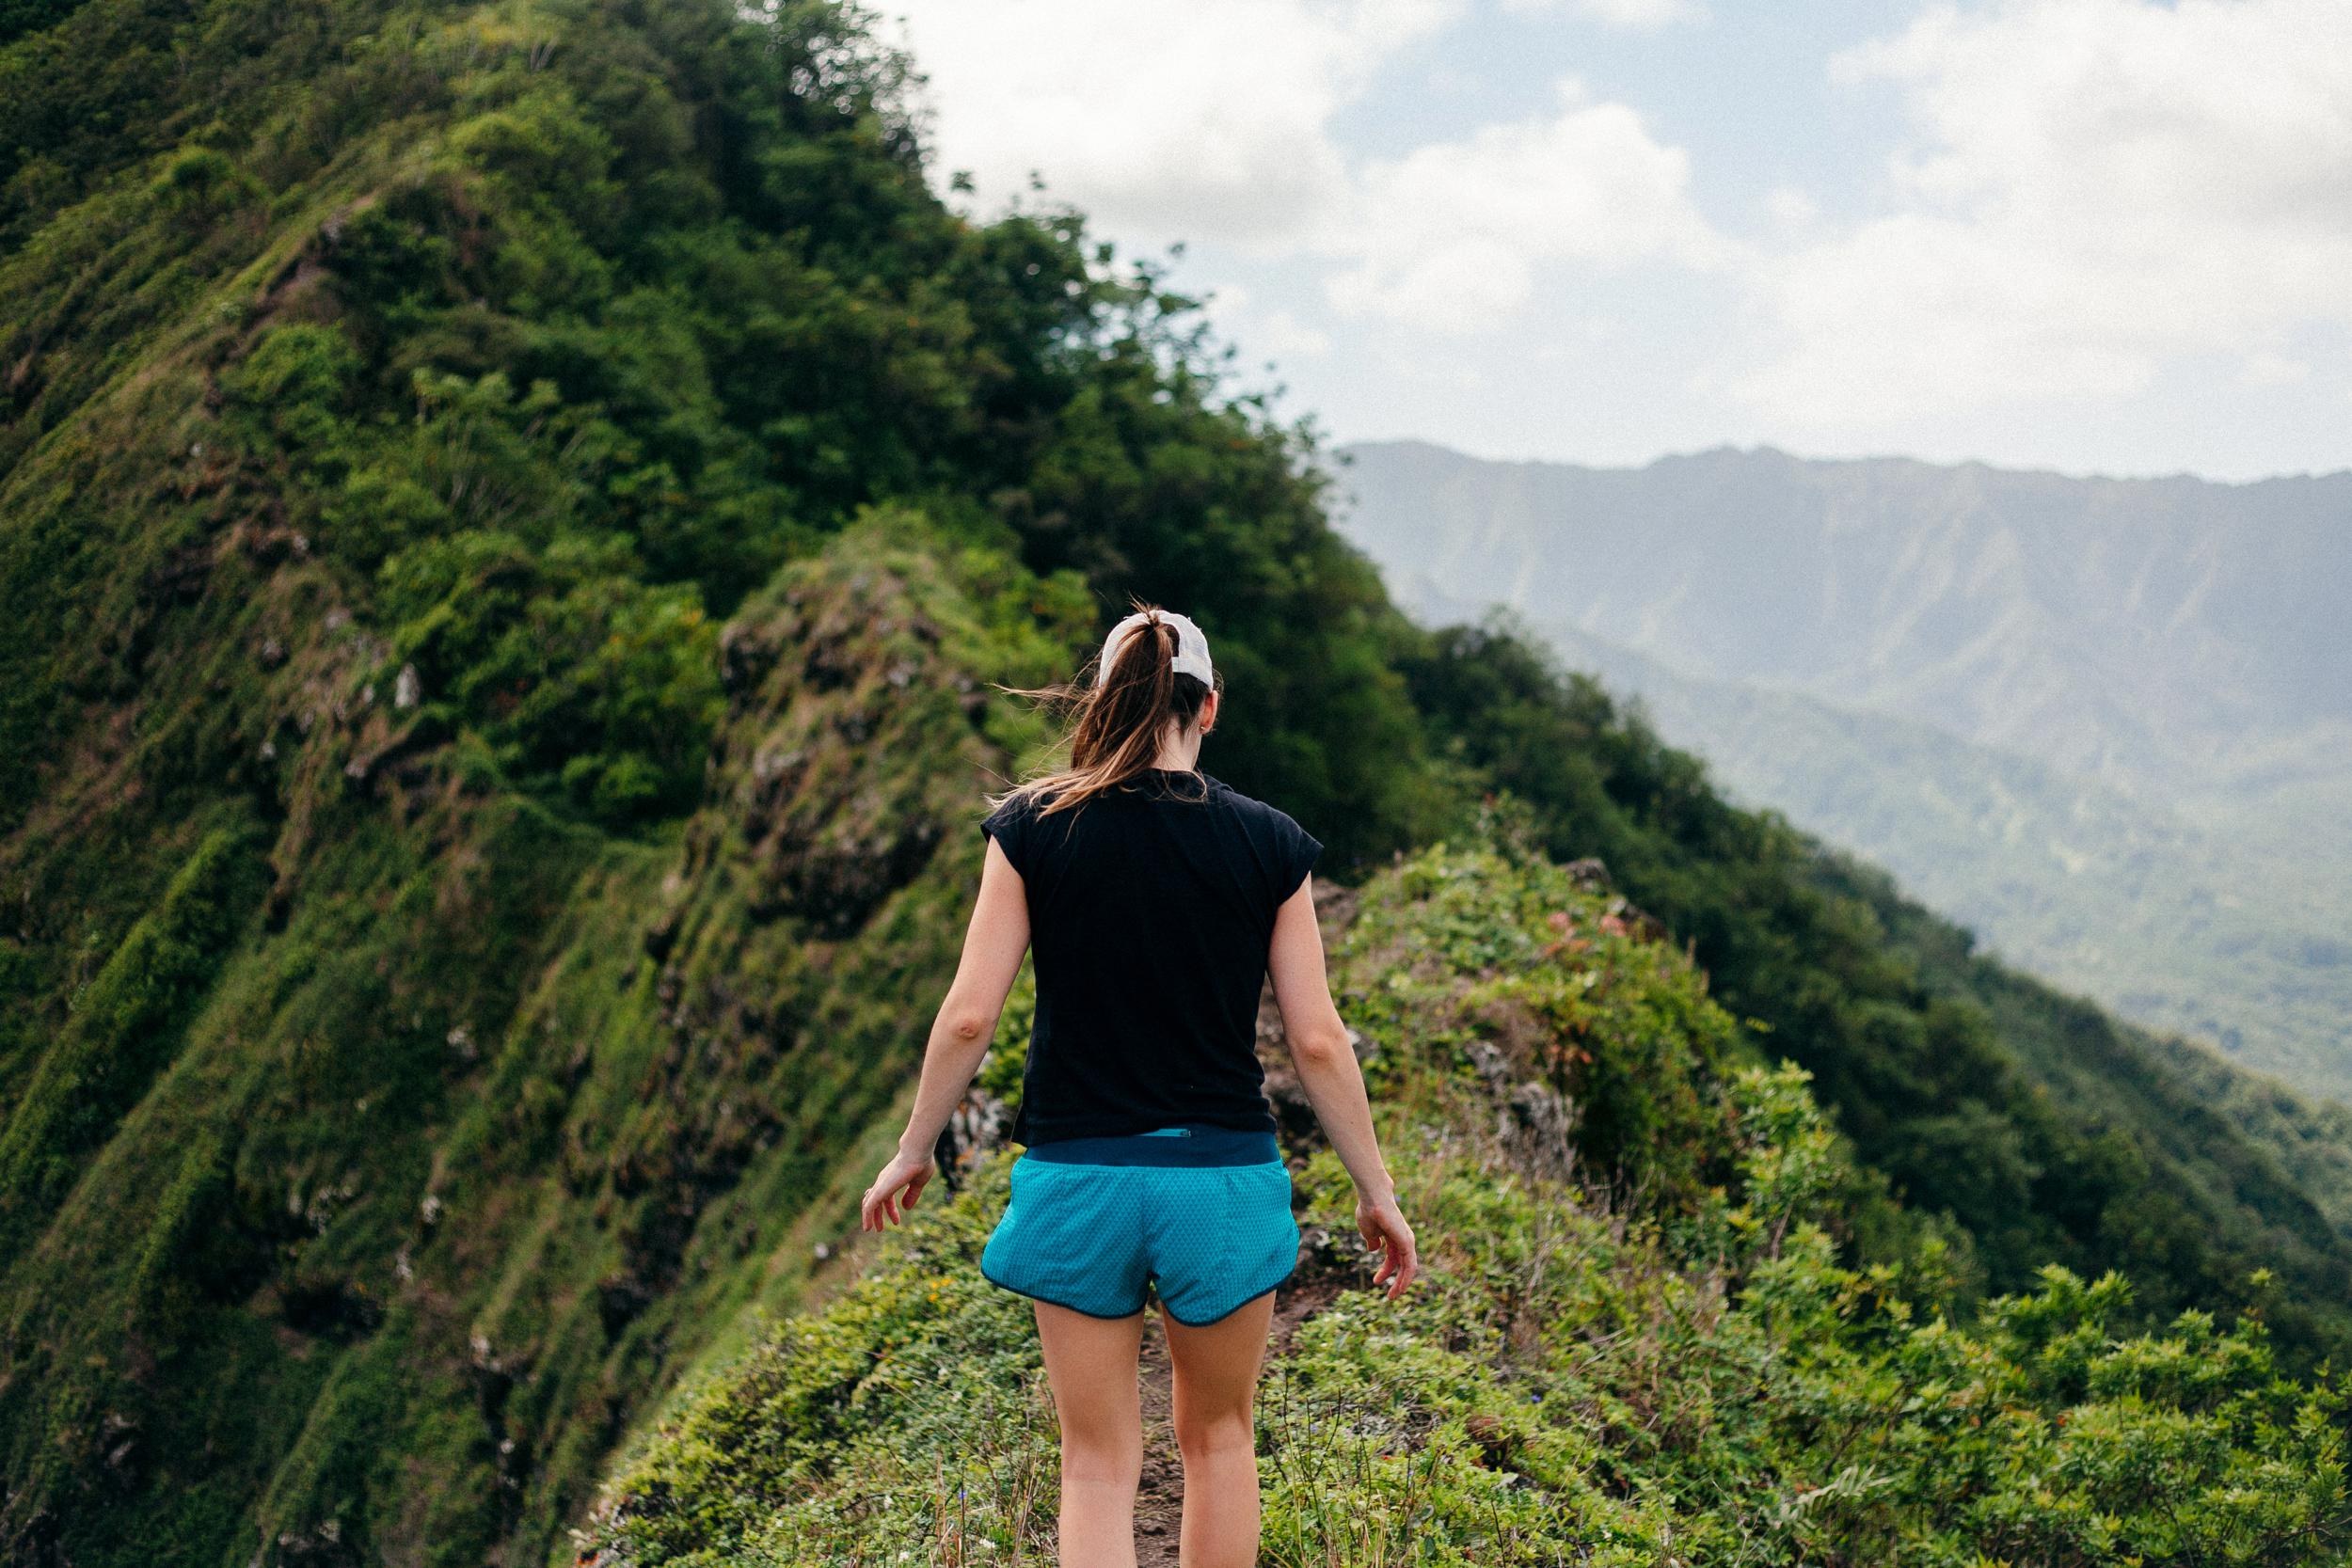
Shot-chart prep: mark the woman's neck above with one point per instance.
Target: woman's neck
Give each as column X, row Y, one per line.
column 1181, row 755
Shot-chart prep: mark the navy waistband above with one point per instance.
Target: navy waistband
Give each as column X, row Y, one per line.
column 1195, row 1144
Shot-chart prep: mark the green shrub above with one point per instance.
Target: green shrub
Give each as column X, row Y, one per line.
column 288, row 393
column 201, row 184
column 586, row 681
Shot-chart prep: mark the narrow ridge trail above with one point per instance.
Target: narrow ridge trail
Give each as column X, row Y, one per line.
column 1160, row 1495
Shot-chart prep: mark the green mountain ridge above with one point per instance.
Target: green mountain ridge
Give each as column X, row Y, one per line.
column 511, row 516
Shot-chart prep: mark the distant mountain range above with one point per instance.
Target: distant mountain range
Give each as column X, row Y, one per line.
column 2108, row 723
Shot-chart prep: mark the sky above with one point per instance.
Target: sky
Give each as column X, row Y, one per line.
column 2095, row 236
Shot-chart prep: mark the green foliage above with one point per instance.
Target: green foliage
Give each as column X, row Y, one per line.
column 581, row 676
column 201, row 185
column 284, row 395
column 122, row 1030
column 1711, row 1386
column 1637, row 1062
column 19, row 17
column 1965, row 1086
column 912, row 1416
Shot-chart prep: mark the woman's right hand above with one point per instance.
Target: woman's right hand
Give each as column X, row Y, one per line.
column 1382, row 1225
column 894, row 1191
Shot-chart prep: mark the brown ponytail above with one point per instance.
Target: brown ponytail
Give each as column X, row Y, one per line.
column 1113, row 728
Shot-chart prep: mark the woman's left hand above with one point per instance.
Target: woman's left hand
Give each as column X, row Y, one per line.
column 894, row 1191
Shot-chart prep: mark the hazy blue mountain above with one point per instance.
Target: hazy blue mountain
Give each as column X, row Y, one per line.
column 2052, row 707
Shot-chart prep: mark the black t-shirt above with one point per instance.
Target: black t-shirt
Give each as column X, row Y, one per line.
column 1151, row 912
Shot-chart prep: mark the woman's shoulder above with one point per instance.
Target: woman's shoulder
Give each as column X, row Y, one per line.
column 1249, row 805
column 1226, row 794
column 1018, row 810
column 1013, row 805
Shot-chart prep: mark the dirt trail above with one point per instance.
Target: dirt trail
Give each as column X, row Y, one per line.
column 1159, row 1497
column 1159, row 1500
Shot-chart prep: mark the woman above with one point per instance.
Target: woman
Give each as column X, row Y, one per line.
column 1159, row 900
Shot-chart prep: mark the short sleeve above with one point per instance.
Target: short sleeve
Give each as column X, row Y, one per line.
column 1300, row 848
column 1009, row 825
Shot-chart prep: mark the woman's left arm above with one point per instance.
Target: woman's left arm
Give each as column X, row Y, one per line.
column 994, row 944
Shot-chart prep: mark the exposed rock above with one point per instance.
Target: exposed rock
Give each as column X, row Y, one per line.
column 320, row 1546
column 746, row 654
column 836, row 687
column 978, row 1125
column 662, row 936
column 1622, row 919
column 1537, row 1125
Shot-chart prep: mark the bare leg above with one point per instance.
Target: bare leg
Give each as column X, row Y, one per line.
column 1215, row 1379
column 1090, row 1363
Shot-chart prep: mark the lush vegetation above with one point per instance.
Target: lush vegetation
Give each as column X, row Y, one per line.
column 508, row 514
column 2045, row 1130
column 1681, row 1371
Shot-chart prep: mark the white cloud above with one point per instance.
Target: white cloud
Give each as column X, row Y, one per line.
column 1633, row 15
column 1265, row 334
column 1791, row 210
column 1201, row 119
column 1283, row 336
column 2095, row 189
column 1450, row 236
column 2273, row 370
column 1210, row 120
column 1459, row 288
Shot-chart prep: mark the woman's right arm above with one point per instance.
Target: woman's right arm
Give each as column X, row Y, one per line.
column 1335, row 1083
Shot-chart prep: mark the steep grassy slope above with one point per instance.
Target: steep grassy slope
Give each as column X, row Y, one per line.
column 2039, row 1128
column 1681, row 1373
column 447, row 1173
column 509, row 516
column 2195, row 929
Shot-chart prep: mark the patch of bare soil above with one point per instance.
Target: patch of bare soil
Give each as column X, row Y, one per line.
column 1160, row 1495
column 1294, row 1304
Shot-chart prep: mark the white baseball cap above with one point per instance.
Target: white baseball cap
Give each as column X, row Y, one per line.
column 1192, row 649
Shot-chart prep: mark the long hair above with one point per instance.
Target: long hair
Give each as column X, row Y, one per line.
column 1113, row 729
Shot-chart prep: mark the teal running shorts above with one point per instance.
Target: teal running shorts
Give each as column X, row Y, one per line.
column 1199, row 1215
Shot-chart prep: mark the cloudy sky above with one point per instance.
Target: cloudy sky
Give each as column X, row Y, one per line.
column 2101, row 236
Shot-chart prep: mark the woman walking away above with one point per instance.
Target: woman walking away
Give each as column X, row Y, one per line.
column 1158, row 900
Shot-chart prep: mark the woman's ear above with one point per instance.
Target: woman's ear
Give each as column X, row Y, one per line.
column 1208, row 711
